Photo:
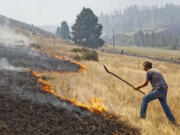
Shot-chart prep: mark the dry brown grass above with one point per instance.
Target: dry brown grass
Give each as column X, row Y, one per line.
column 117, row 96
column 150, row 52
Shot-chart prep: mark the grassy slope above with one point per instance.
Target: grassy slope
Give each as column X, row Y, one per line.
column 117, row 97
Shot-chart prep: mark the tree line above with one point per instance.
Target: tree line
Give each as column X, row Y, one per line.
column 135, row 18
column 152, row 39
column 87, row 30
column 146, row 39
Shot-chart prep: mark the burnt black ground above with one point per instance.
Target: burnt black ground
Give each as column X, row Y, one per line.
column 26, row 58
column 20, row 115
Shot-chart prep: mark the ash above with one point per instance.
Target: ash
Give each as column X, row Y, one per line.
column 26, row 109
column 28, row 58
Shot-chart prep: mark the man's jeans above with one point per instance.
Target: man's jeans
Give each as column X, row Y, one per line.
column 156, row 94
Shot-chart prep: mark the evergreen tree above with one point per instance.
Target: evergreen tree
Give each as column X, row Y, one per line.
column 63, row 31
column 58, row 32
column 153, row 39
column 139, row 38
column 175, row 44
column 86, row 30
column 147, row 39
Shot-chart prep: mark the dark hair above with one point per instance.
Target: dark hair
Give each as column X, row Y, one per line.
column 147, row 64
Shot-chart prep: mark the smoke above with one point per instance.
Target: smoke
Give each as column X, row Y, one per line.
column 47, row 98
column 24, row 85
column 11, row 38
column 4, row 65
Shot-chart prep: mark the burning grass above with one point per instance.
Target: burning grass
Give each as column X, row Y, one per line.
column 117, row 96
column 82, row 67
column 24, row 117
column 28, row 108
column 96, row 106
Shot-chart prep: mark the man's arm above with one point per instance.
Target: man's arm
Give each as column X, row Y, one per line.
column 141, row 86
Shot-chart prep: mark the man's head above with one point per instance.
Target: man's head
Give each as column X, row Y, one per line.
column 147, row 65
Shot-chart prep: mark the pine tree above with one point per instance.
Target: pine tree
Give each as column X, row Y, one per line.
column 58, row 32
column 63, row 31
column 175, row 44
column 86, row 30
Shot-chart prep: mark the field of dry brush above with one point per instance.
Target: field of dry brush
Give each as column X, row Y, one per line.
column 117, row 96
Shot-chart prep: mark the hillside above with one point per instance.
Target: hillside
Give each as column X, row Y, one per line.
column 45, row 91
column 117, row 97
column 29, row 104
column 5, row 21
column 27, row 112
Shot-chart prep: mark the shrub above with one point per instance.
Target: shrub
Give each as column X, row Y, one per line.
column 86, row 54
column 84, row 50
column 76, row 50
column 178, row 58
column 91, row 55
column 77, row 57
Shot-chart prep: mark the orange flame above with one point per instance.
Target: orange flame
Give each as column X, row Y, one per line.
column 83, row 68
column 44, row 85
column 96, row 106
column 59, row 57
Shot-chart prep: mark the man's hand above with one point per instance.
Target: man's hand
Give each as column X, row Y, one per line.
column 141, row 86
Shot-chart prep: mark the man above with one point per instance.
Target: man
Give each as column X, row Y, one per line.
column 159, row 91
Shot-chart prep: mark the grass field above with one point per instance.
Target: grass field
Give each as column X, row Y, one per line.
column 117, row 96
column 173, row 55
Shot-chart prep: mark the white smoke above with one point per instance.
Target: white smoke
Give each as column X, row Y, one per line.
column 4, row 65
column 43, row 98
column 10, row 37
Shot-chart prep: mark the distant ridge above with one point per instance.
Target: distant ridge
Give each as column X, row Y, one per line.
column 5, row 21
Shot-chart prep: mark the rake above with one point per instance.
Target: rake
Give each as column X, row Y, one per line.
column 122, row 80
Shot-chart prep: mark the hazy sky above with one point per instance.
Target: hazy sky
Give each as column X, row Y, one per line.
column 52, row 12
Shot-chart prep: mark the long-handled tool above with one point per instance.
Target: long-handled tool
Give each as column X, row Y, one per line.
column 122, row 80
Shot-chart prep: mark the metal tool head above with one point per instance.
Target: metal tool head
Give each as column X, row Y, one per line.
column 106, row 69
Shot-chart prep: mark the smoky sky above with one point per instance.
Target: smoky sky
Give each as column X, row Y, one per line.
column 52, row 12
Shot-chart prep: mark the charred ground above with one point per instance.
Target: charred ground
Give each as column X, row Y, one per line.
column 20, row 115
column 34, row 60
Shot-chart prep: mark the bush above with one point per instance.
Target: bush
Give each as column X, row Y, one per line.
column 77, row 57
column 178, row 58
column 87, row 54
column 91, row 55
column 84, row 50
column 81, row 50
column 76, row 50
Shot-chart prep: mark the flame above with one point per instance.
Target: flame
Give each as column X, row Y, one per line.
column 96, row 105
column 43, row 84
column 59, row 57
column 83, row 68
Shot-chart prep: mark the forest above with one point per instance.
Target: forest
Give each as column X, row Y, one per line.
column 139, row 25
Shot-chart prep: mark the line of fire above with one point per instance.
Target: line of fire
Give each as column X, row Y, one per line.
column 96, row 105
